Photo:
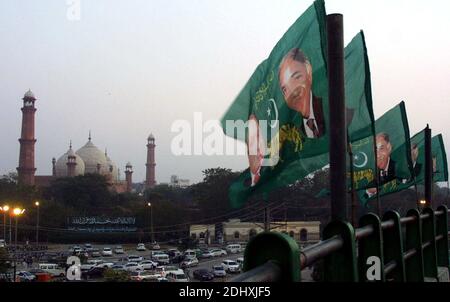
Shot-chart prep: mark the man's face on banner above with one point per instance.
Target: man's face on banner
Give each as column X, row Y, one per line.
column 295, row 82
column 384, row 150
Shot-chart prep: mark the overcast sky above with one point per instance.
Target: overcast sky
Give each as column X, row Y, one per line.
column 130, row 68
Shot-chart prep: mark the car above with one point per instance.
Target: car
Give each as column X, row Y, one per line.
column 218, row 252
column 177, row 276
column 93, row 273
column 189, row 263
column 162, row 259
column 90, row 264
column 119, row 267
column 25, row 276
column 141, row 247
column 95, row 253
column 134, row 258
column 119, row 250
column 107, row 252
column 231, row 266
column 208, row 254
column 156, row 246
column 75, row 249
column 203, row 275
column 149, row 264
column 144, row 276
column 173, row 253
column 190, row 253
column 2, row 243
column 162, row 279
column 240, row 261
column 219, row 271
column 88, row 247
column 164, row 270
column 133, row 266
column 105, row 264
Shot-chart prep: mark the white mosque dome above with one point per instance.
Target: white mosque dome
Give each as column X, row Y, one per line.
column 92, row 156
column 61, row 164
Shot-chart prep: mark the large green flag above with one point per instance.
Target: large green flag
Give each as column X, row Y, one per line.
column 393, row 156
column 440, row 169
column 282, row 112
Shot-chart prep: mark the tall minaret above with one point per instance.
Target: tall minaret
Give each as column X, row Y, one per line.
column 128, row 176
column 26, row 167
column 71, row 162
column 150, row 175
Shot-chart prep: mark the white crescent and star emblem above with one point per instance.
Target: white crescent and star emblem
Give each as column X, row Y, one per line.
column 360, row 160
column 273, row 121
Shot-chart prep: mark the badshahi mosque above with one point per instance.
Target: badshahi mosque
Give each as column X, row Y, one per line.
column 88, row 159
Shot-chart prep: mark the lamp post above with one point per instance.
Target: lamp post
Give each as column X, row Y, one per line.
column 16, row 212
column 5, row 210
column 149, row 204
column 37, row 223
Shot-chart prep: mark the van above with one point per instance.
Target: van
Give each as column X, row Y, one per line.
column 52, row 269
column 234, row 248
column 177, row 276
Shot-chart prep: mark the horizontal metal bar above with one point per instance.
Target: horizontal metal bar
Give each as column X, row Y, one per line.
column 409, row 254
column 320, row 250
column 269, row 272
column 363, row 232
column 390, row 267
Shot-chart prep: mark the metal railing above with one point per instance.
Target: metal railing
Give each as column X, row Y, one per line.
column 409, row 249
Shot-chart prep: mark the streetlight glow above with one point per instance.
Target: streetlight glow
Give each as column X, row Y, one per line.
column 149, row 204
column 5, row 208
column 37, row 203
column 18, row 211
column 423, row 202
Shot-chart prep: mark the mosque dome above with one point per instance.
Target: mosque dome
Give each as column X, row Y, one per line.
column 61, row 164
column 92, row 157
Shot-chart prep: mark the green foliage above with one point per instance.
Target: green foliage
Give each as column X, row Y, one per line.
column 111, row 275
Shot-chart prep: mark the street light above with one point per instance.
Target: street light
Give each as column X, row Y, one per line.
column 5, row 210
column 149, row 204
column 16, row 212
column 37, row 223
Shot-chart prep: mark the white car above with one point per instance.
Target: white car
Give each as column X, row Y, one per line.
column 133, row 267
column 2, row 243
column 26, row 276
column 119, row 250
column 219, row 271
column 208, row 254
column 90, row 264
column 231, row 266
column 53, row 269
column 88, row 247
column 156, row 246
column 240, row 261
column 162, row 259
column 189, row 262
column 134, row 258
column 141, row 247
column 105, row 265
column 218, row 252
column 149, row 264
column 144, row 276
column 76, row 249
column 107, row 251
column 164, row 270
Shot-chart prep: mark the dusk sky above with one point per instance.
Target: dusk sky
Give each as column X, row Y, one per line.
column 130, row 68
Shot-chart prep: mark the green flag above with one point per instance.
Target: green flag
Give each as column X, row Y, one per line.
column 393, row 158
column 282, row 111
column 440, row 169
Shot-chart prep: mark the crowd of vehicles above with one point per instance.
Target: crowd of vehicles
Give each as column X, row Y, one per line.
column 147, row 264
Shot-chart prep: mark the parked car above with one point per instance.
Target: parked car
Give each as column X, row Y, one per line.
column 173, row 253
column 208, row 254
column 93, row 273
column 119, row 250
column 164, row 270
column 119, row 267
column 190, row 253
column 218, row 252
column 177, row 276
column 162, row 259
column 90, row 264
column 240, row 261
column 75, row 249
column 155, row 246
column 95, row 253
column 107, row 252
column 88, row 247
column 149, row 264
column 203, row 275
column 25, row 276
column 133, row 266
column 189, row 263
column 144, row 276
column 231, row 266
column 141, row 247
column 105, row 264
column 219, row 271
column 2, row 243
column 134, row 258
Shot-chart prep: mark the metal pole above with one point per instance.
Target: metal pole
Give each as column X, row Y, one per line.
column 37, row 227
column 15, row 250
column 338, row 129
column 10, row 230
column 352, row 187
column 428, row 168
column 4, row 225
column 151, row 223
